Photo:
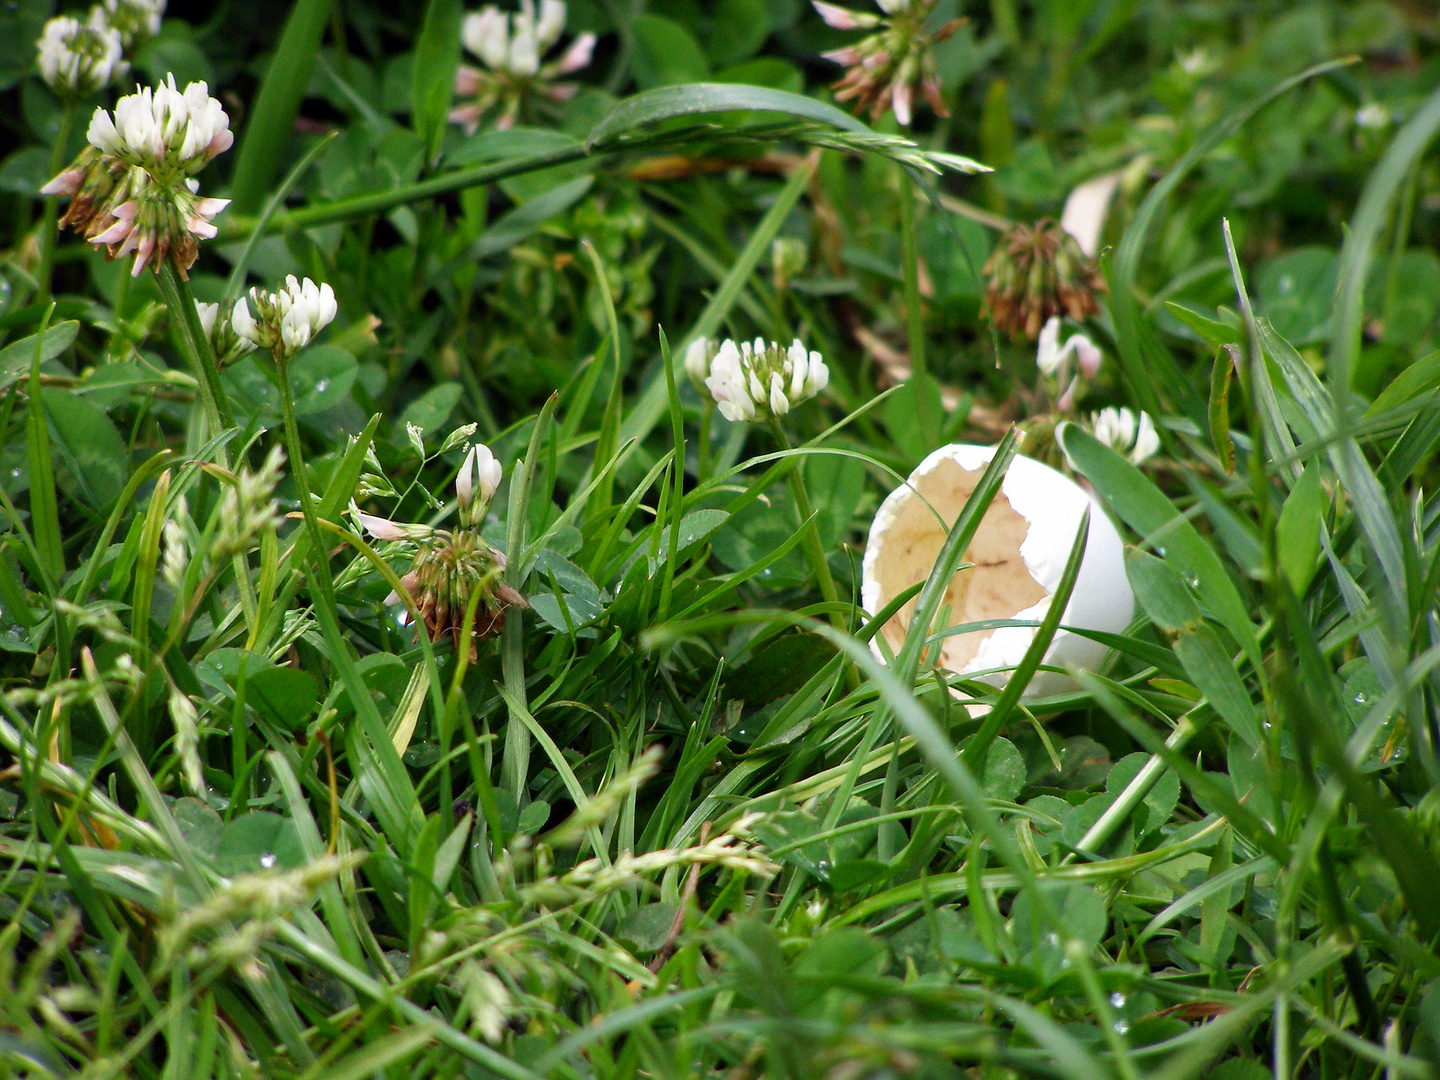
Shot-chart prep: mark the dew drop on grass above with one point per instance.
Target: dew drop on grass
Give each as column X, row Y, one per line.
column 1121, row 1027
column 267, row 860
column 1117, row 1000
column 321, row 385
column 1361, row 698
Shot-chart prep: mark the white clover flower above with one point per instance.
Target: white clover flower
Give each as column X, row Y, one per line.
column 512, row 48
column 136, row 20
column 208, row 314
column 486, row 33
column 133, row 189
column 697, row 360
column 480, row 467
column 287, row 320
column 1050, row 354
column 755, row 381
column 169, row 133
column 76, row 58
column 1126, row 433
column 218, row 324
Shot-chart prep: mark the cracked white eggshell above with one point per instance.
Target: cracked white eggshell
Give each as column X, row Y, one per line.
column 1019, row 553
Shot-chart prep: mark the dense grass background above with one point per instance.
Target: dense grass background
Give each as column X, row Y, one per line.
column 672, row 821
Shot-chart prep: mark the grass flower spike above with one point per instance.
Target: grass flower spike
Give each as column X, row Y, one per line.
column 77, row 59
column 450, row 564
column 759, row 380
column 512, row 46
column 133, row 190
column 284, row 322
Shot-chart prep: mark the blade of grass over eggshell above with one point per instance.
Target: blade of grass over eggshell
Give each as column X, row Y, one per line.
column 1145, row 508
column 957, row 541
column 272, row 118
column 1370, row 220
column 1143, row 368
column 978, row 744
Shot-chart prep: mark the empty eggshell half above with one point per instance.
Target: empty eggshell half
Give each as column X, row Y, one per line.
column 1018, row 555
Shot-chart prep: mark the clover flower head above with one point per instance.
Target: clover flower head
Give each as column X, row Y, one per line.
column 287, row 320
column 136, row 20
column 1035, row 273
column 133, row 189
column 512, row 46
column 450, row 564
column 759, row 380
column 1126, row 432
column 481, row 469
column 77, row 58
column 885, row 69
column 168, row 132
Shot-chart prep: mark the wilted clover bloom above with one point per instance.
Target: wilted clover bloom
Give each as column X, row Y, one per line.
column 133, row 190
column 287, row 320
column 884, row 69
column 755, row 381
column 78, row 58
column 1037, row 272
column 450, row 564
column 1126, row 433
column 512, row 48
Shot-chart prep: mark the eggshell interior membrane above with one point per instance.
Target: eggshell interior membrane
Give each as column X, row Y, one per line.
column 1018, row 555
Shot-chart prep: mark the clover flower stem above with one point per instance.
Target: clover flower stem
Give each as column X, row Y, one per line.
column 50, row 215
column 702, row 450
column 297, row 472
column 814, row 550
column 195, row 344
column 914, row 317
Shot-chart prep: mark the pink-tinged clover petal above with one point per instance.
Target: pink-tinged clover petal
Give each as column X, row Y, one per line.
column 577, row 55
column 900, row 102
column 381, row 528
column 843, row 18
column 845, row 57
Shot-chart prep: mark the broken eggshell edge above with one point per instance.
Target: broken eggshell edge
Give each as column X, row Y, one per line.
column 1051, row 504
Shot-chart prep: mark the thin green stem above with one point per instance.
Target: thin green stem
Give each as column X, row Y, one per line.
column 195, row 344
column 175, row 291
column 810, row 541
column 51, row 212
column 914, row 316
column 297, row 472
